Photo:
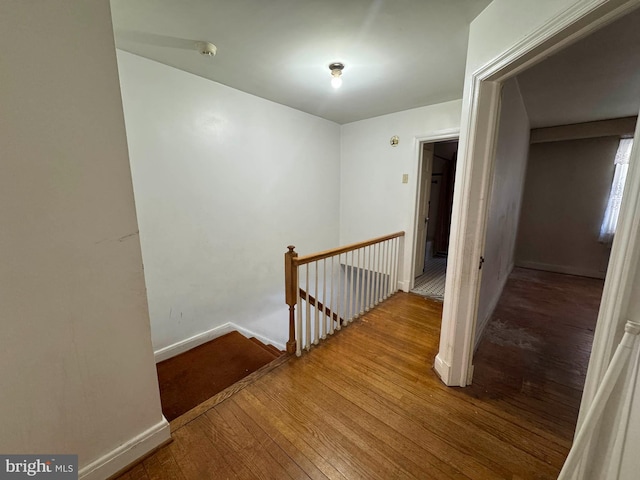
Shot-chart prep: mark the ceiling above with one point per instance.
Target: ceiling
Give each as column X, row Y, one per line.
column 596, row 78
column 397, row 54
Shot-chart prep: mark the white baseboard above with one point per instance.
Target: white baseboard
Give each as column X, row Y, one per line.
column 128, row 453
column 192, row 342
column 404, row 285
column 443, row 369
column 197, row 340
column 566, row 269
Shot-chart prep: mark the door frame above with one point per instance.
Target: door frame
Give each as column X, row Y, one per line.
column 419, row 141
column 453, row 362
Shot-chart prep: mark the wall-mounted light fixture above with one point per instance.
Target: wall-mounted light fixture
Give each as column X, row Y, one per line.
column 336, row 74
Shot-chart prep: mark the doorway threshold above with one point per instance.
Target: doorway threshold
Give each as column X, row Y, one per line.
column 431, row 283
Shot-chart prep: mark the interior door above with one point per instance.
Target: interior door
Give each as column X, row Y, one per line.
column 445, row 204
column 426, row 167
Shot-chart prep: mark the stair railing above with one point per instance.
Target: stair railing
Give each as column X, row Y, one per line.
column 332, row 288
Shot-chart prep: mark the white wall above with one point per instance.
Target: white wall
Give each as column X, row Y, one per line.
column 373, row 199
column 224, row 181
column 76, row 362
column 566, row 192
column 512, row 149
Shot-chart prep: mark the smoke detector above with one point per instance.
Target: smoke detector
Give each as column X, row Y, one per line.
column 206, row 48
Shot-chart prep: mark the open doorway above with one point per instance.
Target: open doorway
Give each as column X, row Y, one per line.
column 536, row 322
column 453, row 362
column 433, row 221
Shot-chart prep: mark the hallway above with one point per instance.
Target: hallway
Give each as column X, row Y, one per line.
column 367, row 403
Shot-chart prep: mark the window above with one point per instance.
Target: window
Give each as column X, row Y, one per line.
column 610, row 220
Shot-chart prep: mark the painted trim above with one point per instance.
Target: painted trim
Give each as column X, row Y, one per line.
column 568, row 26
column 566, row 269
column 125, row 455
column 204, row 337
column 468, row 225
column 418, row 141
column 192, row 342
column 443, row 369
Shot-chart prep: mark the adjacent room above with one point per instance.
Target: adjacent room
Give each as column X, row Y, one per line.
column 565, row 137
column 435, row 202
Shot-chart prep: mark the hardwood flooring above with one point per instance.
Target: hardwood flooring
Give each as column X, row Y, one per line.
column 534, row 354
column 366, row 404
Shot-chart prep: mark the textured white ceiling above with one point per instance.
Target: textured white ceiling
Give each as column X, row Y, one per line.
column 398, row 54
column 596, row 78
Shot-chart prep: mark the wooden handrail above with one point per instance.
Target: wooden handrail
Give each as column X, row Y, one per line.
column 293, row 292
column 314, row 257
column 312, row 300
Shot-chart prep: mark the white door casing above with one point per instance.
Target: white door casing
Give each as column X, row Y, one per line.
column 418, row 142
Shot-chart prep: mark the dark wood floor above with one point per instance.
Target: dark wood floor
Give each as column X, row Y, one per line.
column 367, row 404
column 533, row 357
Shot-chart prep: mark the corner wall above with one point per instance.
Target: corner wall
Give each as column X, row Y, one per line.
column 512, row 151
column 77, row 368
column 565, row 198
column 224, row 181
column 373, row 199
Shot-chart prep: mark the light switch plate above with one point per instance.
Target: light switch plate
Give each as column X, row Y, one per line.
column 405, row 178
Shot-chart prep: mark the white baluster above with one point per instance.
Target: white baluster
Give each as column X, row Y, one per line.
column 298, row 318
column 324, row 298
column 316, row 329
column 333, row 305
column 383, row 271
column 393, row 267
column 351, row 287
column 376, row 274
column 387, row 277
column 357, row 285
column 308, row 316
column 368, row 287
column 345, row 302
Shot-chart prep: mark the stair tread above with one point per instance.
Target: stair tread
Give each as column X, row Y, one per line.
column 268, row 347
column 192, row 377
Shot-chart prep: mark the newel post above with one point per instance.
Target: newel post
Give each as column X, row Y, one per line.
column 291, row 294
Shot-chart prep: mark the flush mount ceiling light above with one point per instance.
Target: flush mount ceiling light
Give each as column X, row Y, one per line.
column 336, row 74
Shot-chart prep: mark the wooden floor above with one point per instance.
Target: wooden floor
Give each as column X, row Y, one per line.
column 533, row 357
column 367, row 405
